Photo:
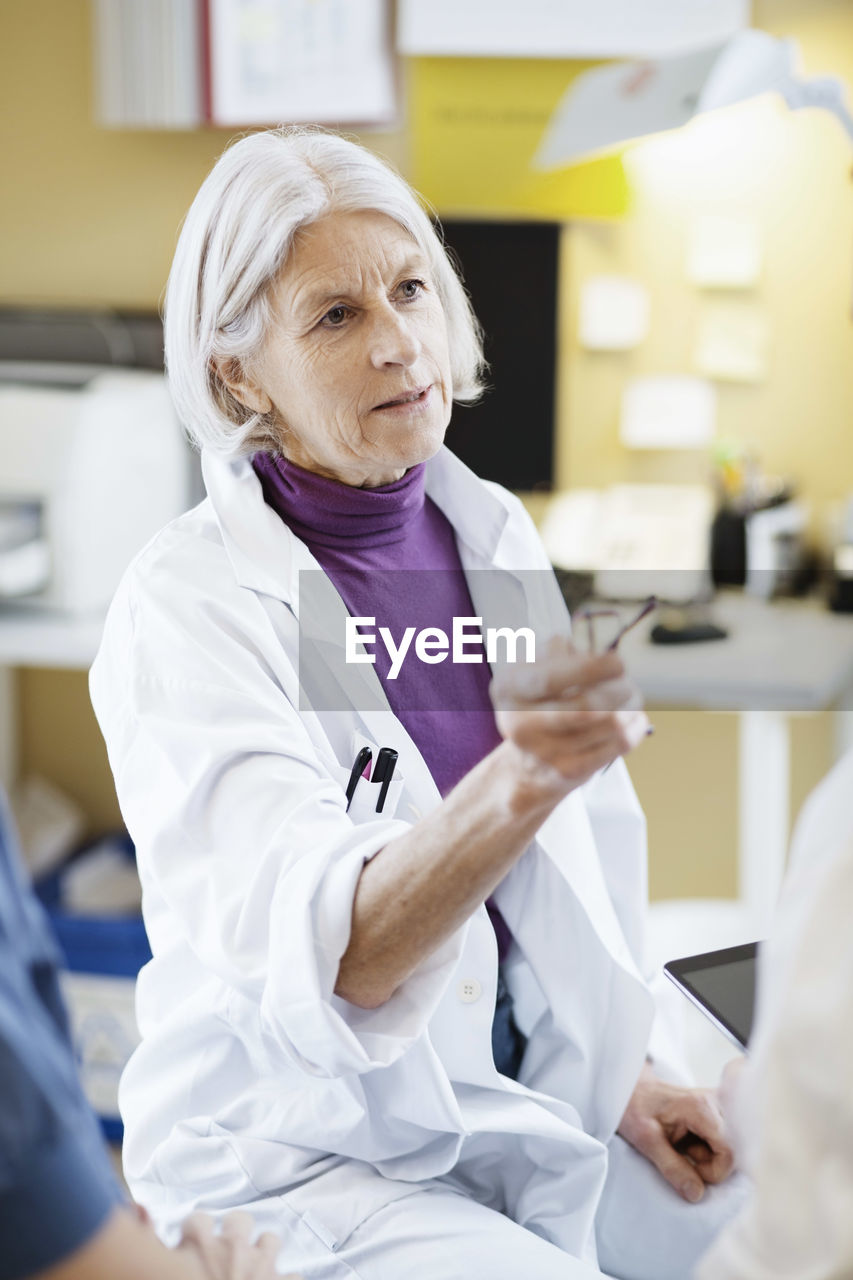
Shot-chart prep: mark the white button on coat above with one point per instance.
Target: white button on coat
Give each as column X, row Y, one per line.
column 470, row 990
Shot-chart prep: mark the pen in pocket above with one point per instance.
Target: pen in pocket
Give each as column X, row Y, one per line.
column 383, row 772
column 362, row 760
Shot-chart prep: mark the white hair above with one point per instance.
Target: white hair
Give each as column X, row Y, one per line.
column 233, row 245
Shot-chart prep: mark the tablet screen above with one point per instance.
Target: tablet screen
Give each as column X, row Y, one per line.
column 722, row 983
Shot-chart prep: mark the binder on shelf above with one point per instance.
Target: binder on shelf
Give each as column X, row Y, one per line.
column 149, row 64
column 181, row 64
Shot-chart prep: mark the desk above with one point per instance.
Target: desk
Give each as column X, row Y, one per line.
column 780, row 657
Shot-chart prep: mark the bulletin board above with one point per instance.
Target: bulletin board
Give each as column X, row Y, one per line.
column 475, row 126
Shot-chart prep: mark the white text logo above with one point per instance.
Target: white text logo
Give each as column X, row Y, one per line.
column 433, row 645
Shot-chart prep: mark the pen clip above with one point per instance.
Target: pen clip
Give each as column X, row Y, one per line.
column 386, row 762
column 362, row 760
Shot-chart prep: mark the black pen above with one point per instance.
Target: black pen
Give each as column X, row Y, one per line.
column 386, row 763
column 362, row 760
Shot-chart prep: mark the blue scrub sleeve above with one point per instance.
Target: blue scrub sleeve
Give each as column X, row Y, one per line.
column 56, row 1183
column 62, row 1198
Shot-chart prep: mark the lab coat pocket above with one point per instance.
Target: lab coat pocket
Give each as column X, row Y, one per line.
column 363, row 807
column 345, row 1198
column 366, row 797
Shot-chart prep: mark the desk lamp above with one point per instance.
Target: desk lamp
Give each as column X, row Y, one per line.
column 622, row 101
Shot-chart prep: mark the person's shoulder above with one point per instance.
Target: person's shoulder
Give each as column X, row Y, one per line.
column 182, row 546
column 169, row 592
column 826, row 819
column 185, row 562
column 821, row 848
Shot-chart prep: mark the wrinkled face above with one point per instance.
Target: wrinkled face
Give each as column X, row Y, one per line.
column 356, row 364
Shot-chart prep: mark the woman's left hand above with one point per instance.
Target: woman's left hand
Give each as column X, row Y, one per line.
column 681, row 1131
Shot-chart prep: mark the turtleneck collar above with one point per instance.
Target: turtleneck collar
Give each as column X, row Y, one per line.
column 328, row 513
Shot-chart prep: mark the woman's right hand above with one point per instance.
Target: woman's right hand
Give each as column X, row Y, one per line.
column 568, row 715
column 562, row 720
column 230, row 1253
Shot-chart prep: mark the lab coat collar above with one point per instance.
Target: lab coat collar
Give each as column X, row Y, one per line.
column 267, row 557
column 478, row 511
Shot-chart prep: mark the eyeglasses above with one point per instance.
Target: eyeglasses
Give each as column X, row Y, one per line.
column 589, row 615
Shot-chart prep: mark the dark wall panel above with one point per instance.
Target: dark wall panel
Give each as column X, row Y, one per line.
column 510, row 271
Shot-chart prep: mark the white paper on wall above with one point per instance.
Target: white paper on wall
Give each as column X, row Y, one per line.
column 723, row 253
column 674, row 412
column 732, row 342
column 614, row 313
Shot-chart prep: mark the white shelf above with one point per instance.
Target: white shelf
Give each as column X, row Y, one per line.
column 34, row 638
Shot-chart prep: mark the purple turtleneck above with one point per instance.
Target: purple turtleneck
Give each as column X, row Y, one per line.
column 361, row 537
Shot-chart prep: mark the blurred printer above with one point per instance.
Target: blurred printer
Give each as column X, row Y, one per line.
column 93, row 460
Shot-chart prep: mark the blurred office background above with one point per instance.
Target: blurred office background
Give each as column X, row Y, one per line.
column 89, row 217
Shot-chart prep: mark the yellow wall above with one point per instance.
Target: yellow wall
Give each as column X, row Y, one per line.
column 791, row 172
column 686, row 778
column 88, row 216
column 91, row 216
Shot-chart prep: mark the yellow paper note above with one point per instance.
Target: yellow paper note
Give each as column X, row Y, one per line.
column 476, row 124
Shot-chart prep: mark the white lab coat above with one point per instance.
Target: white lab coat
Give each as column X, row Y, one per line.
column 794, row 1103
column 253, row 1079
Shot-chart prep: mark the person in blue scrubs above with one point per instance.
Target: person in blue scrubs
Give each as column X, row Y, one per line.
column 62, row 1215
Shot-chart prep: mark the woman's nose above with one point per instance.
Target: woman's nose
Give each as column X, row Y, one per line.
column 393, row 340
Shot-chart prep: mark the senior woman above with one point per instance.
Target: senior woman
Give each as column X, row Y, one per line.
column 337, row 1032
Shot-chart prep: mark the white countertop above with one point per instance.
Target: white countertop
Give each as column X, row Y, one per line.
column 787, row 655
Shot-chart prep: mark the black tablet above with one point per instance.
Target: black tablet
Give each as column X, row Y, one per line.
column 722, row 984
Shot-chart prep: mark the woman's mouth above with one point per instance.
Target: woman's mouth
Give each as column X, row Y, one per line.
column 407, row 402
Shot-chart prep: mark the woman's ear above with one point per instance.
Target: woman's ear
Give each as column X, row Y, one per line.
column 231, row 374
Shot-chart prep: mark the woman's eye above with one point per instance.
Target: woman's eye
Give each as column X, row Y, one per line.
column 411, row 288
column 336, row 316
